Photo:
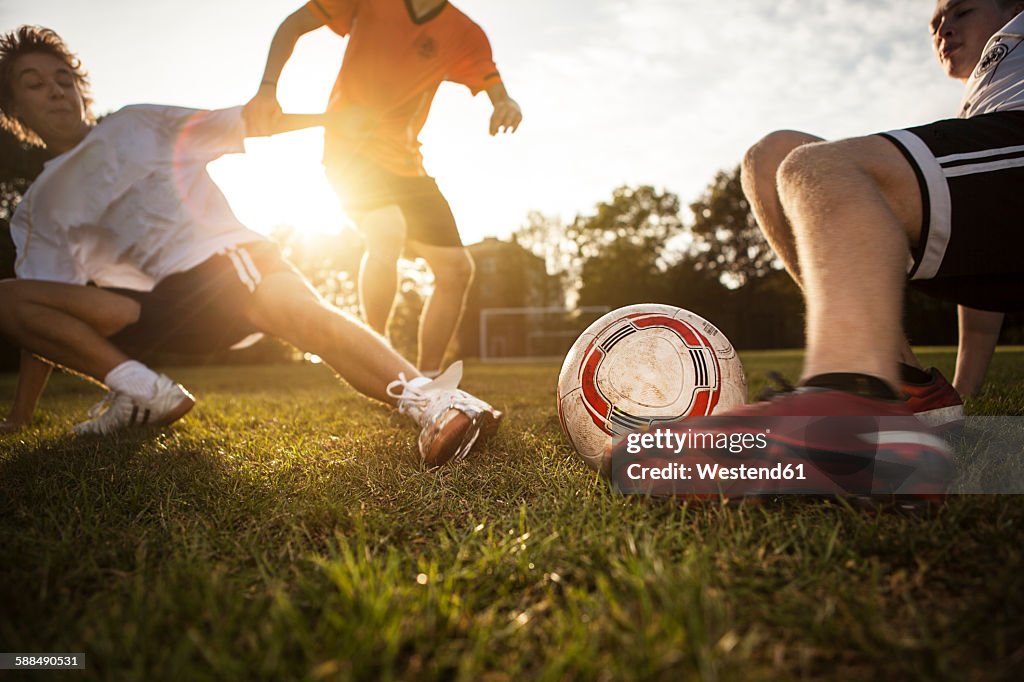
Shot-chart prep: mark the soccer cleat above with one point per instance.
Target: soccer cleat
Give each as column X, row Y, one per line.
column 936, row 403
column 841, row 444
column 451, row 421
column 120, row 411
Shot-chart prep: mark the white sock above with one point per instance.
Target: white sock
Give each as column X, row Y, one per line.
column 134, row 379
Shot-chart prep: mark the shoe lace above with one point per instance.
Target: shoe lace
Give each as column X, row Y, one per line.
column 401, row 390
column 102, row 406
column 782, row 386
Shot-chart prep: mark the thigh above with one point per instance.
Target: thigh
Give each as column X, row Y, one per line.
column 285, row 305
column 103, row 310
column 894, row 177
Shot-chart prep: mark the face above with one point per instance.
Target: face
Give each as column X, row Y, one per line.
column 46, row 99
column 960, row 30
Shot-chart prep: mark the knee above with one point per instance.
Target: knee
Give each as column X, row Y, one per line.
column 455, row 271
column 809, row 168
column 762, row 161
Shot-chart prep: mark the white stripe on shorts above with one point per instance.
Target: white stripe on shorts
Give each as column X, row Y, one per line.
column 944, row 160
column 972, row 168
column 254, row 271
column 243, row 273
column 940, row 209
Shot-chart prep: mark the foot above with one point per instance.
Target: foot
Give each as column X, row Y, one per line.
column 841, row 443
column 452, row 422
column 120, row 411
column 935, row 402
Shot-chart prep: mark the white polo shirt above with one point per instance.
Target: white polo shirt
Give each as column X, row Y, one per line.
column 132, row 203
column 997, row 83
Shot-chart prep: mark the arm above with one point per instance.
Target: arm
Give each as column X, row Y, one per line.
column 263, row 110
column 979, row 334
column 507, row 115
column 31, row 382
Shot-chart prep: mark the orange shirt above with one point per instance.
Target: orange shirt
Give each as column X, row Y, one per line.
column 392, row 68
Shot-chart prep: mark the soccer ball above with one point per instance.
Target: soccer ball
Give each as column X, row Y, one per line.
column 640, row 366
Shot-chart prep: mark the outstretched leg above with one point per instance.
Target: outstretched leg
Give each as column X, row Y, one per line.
column 451, row 420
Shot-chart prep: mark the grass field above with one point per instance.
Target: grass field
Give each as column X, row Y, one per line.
column 284, row 531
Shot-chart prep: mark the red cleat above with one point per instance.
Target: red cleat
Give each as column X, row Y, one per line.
column 810, row 441
column 935, row 403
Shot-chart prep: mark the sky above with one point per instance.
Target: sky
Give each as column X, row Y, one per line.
column 613, row 92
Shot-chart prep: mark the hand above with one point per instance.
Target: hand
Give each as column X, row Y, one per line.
column 506, row 117
column 262, row 113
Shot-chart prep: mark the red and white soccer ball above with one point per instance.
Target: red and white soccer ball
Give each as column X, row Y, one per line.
column 641, row 366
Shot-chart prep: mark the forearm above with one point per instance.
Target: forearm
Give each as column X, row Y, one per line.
column 497, row 93
column 979, row 334
column 32, row 379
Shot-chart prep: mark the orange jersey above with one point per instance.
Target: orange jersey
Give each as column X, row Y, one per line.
column 392, row 68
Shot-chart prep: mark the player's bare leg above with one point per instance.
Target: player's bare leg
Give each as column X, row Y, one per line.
column 453, row 272
column 285, row 306
column 759, row 175
column 383, row 230
column 66, row 323
column 855, row 207
column 69, row 325
column 979, row 334
column 452, row 421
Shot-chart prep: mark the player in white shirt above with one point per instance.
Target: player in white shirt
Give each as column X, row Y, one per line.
column 128, row 207
column 966, row 27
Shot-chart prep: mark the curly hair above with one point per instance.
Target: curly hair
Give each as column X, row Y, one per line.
column 28, row 40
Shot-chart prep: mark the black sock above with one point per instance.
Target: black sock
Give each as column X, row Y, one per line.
column 912, row 375
column 859, row 384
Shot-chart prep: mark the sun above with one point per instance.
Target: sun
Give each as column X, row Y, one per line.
column 280, row 181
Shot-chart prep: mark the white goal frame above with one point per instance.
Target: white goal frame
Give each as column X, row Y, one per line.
column 488, row 314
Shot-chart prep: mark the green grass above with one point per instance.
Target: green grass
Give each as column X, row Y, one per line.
column 284, row 530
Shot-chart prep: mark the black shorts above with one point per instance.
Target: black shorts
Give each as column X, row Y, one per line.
column 971, row 174
column 201, row 310
column 364, row 186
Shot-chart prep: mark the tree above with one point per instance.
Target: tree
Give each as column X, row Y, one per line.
column 727, row 241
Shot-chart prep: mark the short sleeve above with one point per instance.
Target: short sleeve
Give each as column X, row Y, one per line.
column 475, row 66
column 199, row 133
column 337, row 15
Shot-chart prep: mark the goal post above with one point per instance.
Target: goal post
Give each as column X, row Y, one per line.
column 532, row 334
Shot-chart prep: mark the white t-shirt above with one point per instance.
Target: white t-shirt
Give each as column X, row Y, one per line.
column 997, row 83
column 132, row 203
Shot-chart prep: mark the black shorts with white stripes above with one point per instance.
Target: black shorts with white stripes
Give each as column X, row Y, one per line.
column 201, row 310
column 971, row 174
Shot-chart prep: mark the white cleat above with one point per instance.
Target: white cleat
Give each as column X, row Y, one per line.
column 451, row 421
column 120, row 411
